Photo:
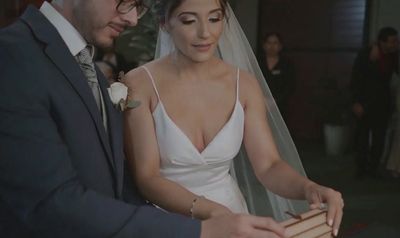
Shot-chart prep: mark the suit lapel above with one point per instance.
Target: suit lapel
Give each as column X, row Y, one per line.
column 59, row 54
column 114, row 119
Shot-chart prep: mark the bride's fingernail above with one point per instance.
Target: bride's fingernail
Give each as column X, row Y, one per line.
column 335, row 232
column 330, row 222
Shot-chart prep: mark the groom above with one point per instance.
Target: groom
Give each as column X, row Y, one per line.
column 61, row 155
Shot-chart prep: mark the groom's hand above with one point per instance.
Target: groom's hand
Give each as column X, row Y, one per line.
column 241, row 226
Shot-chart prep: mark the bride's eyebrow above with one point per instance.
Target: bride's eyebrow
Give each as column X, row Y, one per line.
column 187, row 13
column 195, row 14
column 215, row 10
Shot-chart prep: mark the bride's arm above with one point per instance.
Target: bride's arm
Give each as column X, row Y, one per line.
column 143, row 156
column 270, row 169
column 272, row 172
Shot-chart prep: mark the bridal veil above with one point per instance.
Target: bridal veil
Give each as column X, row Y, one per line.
column 235, row 49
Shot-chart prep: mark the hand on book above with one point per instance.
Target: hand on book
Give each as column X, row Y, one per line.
column 318, row 196
column 311, row 224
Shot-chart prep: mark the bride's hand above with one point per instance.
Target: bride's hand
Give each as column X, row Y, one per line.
column 204, row 208
column 318, row 195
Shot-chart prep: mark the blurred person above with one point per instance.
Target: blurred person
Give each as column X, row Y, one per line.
column 278, row 71
column 372, row 106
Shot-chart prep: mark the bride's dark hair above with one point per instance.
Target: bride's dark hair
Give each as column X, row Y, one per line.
column 166, row 7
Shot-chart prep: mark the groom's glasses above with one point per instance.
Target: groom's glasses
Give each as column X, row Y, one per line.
column 125, row 6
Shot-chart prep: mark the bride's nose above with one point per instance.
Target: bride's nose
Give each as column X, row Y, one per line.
column 203, row 30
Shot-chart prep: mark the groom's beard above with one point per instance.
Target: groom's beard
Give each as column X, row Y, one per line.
column 90, row 24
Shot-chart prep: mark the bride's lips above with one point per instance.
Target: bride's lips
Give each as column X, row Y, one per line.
column 202, row 47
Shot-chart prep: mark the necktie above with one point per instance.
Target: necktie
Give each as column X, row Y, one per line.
column 84, row 58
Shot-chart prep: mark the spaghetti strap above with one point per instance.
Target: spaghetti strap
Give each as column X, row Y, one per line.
column 152, row 81
column 237, row 83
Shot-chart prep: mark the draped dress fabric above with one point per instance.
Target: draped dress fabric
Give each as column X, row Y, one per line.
column 204, row 173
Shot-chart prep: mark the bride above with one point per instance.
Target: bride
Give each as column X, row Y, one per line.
column 197, row 109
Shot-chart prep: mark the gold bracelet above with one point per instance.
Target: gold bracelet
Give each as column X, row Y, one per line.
column 192, row 207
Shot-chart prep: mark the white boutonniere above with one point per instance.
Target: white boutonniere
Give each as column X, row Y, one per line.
column 118, row 92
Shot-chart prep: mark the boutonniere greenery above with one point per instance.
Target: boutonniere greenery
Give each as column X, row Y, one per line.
column 118, row 92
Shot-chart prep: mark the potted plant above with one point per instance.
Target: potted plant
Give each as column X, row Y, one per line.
column 333, row 107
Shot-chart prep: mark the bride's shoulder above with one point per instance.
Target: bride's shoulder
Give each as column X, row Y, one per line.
column 248, row 84
column 141, row 76
column 246, row 79
column 244, row 75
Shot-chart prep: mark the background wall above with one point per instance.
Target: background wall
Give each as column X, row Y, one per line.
column 322, row 39
column 247, row 12
column 383, row 13
column 10, row 9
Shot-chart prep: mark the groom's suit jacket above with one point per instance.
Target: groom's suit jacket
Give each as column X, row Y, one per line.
column 61, row 173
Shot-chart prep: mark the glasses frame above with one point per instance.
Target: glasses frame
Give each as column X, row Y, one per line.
column 138, row 4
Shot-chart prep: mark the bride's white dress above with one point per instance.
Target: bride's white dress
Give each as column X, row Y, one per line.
column 204, row 173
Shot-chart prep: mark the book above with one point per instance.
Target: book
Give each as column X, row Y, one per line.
column 311, row 224
column 327, row 235
column 315, row 232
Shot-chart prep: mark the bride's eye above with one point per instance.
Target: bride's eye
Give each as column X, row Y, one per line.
column 216, row 17
column 187, row 20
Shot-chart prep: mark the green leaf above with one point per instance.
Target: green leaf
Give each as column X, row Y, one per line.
column 133, row 104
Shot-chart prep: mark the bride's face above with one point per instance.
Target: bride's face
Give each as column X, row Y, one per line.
column 195, row 27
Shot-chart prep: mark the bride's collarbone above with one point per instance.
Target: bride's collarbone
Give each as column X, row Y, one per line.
column 194, row 84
